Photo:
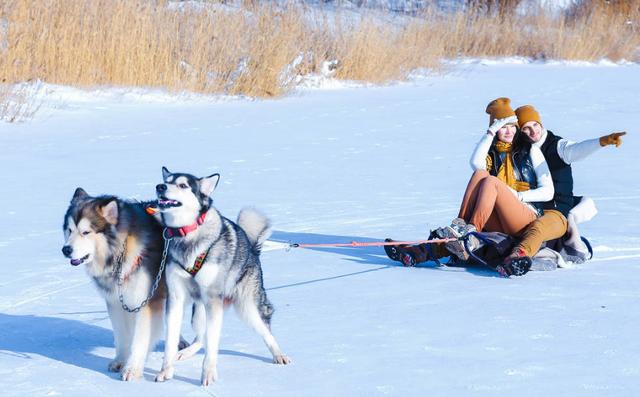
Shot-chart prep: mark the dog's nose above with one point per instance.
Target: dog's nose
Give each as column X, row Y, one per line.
column 161, row 188
column 67, row 250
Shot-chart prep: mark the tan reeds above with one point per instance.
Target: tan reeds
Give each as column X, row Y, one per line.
column 257, row 49
column 18, row 102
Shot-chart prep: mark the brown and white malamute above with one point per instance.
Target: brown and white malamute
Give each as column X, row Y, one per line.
column 121, row 246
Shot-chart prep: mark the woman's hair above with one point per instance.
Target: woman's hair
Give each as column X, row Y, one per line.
column 520, row 142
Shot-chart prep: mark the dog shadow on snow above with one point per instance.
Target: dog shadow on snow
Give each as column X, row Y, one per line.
column 369, row 255
column 60, row 339
column 72, row 342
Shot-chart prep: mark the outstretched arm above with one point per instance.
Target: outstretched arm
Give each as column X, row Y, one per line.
column 571, row 152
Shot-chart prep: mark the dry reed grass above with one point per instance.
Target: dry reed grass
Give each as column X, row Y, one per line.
column 18, row 102
column 257, row 49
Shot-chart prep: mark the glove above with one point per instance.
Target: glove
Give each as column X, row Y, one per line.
column 522, row 186
column 499, row 123
column 612, row 139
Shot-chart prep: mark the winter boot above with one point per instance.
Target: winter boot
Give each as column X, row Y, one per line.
column 461, row 231
column 402, row 253
column 411, row 255
column 516, row 264
column 392, row 250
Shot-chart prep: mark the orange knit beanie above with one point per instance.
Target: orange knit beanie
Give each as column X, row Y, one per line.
column 499, row 109
column 527, row 113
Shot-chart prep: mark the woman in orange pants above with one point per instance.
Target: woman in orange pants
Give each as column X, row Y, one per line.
column 510, row 177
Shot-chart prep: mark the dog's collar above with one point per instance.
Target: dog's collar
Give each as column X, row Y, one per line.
column 171, row 232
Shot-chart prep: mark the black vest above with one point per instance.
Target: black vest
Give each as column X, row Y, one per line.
column 561, row 174
column 522, row 167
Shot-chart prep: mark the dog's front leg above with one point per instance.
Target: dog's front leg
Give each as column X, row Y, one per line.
column 139, row 345
column 175, row 309
column 214, row 309
column 121, row 337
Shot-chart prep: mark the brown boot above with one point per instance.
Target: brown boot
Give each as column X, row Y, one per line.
column 415, row 254
column 392, row 250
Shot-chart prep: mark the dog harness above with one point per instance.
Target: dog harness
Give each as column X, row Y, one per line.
column 136, row 264
column 197, row 264
column 171, row 232
column 200, row 259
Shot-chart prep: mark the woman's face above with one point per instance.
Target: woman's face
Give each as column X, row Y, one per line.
column 506, row 133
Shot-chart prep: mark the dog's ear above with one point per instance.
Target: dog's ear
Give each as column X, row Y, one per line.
column 208, row 184
column 110, row 212
column 79, row 194
column 165, row 174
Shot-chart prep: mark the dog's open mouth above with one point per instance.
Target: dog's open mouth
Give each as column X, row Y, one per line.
column 167, row 203
column 76, row 262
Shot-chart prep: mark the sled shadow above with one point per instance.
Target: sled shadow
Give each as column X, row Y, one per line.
column 370, row 255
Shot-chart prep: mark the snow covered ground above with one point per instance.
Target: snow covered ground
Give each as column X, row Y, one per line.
column 334, row 166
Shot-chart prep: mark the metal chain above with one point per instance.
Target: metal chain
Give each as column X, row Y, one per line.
column 155, row 283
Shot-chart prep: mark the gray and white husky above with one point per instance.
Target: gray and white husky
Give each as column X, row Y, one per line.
column 120, row 246
column 214, row 262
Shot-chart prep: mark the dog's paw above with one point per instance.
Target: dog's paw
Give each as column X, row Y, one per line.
column 189, row 351
column 281, row 359
column 164, row 374
column 115, row 366
column 209, row 376
column 131, row 373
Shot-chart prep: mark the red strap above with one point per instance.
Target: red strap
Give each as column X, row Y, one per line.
column 184, row 230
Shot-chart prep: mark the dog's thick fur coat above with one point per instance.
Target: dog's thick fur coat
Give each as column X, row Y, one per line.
column 121, row 247
column 230, row 273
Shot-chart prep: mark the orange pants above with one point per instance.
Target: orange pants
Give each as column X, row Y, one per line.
column 550, row 226
column 490, row 206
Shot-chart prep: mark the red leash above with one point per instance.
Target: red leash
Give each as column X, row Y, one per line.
column 373, row 244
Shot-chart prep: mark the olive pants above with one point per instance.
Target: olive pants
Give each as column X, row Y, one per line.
column 550, row 226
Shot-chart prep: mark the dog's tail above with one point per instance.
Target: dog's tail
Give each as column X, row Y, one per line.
column 256, row 226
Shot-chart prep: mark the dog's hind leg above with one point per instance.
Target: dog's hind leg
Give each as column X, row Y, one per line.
column 253, row 306
column 198, row 323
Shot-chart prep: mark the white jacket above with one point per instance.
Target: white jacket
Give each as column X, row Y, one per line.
column 544, row 191
column 570, row 151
